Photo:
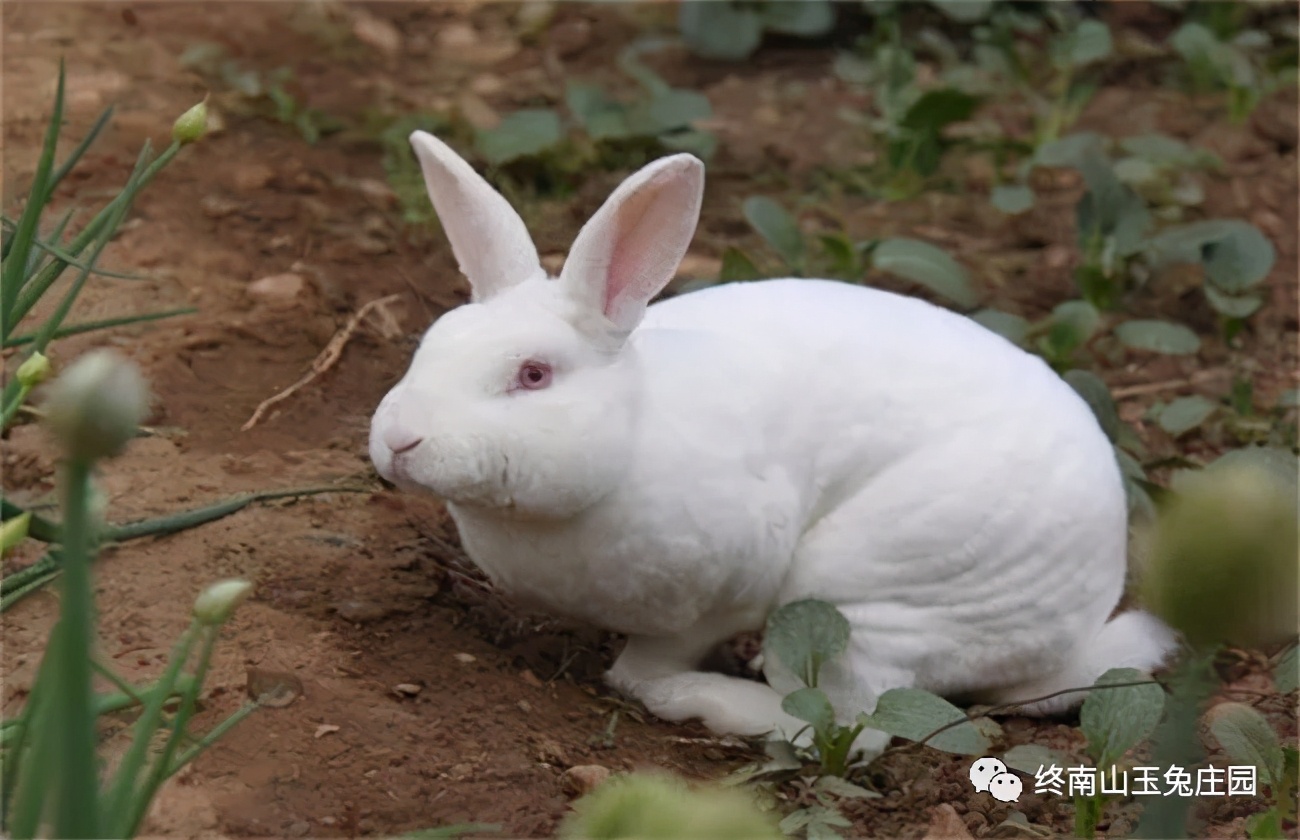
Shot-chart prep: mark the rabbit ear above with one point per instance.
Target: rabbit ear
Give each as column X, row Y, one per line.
column 487, row 236
column 630, row 249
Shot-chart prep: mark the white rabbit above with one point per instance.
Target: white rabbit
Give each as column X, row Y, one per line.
column 676, row 473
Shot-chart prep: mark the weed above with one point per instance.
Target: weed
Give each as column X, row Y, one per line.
column 835, row 255
column 730, row 30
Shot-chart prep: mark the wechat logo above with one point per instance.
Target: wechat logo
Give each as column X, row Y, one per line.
column 990, row 774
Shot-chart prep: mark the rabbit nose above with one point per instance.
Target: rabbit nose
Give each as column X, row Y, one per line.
column 400, row 440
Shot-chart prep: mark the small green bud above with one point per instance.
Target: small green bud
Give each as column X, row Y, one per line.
column 96, row 405
column 191, row 125
column 219, row 600
column 35, row 370
column 652, row 806
column 1223, row 563
column 14, row 531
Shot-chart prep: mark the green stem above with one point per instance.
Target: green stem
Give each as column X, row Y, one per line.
column 78, row 787
column 107, row 323
column 1177, row 742
column 210, row 739
column 13, row 753
column 121, row 793
column 157, row 774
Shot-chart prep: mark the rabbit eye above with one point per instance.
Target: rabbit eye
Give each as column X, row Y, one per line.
column 534, row 375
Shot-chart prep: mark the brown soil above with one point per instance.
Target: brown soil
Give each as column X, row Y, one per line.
column 358, row 592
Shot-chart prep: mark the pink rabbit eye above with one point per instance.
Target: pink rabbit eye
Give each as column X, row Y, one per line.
column 534, row 375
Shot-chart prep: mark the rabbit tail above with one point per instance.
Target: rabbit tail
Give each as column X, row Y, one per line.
column 1135, row 639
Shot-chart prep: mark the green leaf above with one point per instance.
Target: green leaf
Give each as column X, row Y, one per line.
column 1247, row 738
column 1232, row 306
column 1114, row 720
column 1011, row 327
column 1286, row 675
column 1236, row 255
column 844, row 257
column 804, row 635
column 521, row 134
column 1193, row 41
column 1158, row 337
column 699, row 143
column 937, row 108
column 1030, row 758
column 811, row 705
column 1266, row 825
column 1167, row 152
column 923, row 263
column 1068, row 151
column 719, row 30
column 1184, row 414
column 808, row 18
column 1097, row 396
column 670, row 110
column 776, row 226
column 1089, row 42
column 736, row 265
column 1072, row 323
column 1012, row 198
column 601, row 117
column 913, row 714
column 963, row 11
column 1240, row 260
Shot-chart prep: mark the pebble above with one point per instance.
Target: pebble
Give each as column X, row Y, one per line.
column 252, row 176
column 275, row 689
column 466, row 658
column 362, row 611
column 406, row 689
column 376, row 32
column 584, row 778
column 279, row 291
column 945, row 824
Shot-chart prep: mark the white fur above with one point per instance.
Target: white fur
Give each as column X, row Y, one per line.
column 753, row 444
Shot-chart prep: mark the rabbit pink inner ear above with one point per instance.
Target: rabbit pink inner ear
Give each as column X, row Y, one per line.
column 490, row 241
column 631, row 248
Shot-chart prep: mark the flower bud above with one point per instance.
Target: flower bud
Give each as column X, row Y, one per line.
column 14, row 531
column 215, row 604
column 96, row 405
column 1223, row 565
column 35, row 370
column 191, row 125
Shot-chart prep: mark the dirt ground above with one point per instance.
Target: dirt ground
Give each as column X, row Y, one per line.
column 360, row 592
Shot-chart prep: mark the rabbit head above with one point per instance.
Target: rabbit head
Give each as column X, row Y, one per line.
column 525, row 398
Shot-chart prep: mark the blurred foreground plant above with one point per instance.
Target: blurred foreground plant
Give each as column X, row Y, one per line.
column 652, row 806
column 1224, row 570
column 51, row 771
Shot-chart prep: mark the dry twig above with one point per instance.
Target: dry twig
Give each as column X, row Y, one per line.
column 327, row 358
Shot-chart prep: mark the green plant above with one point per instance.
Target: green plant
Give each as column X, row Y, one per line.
column 731, row 30
column 51, row 781
column 1223, row 570
column 835, row 255
column 912, row 118
column 805, row 635
column 1114, row 721
column 31, row 264
column 1232, row 64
